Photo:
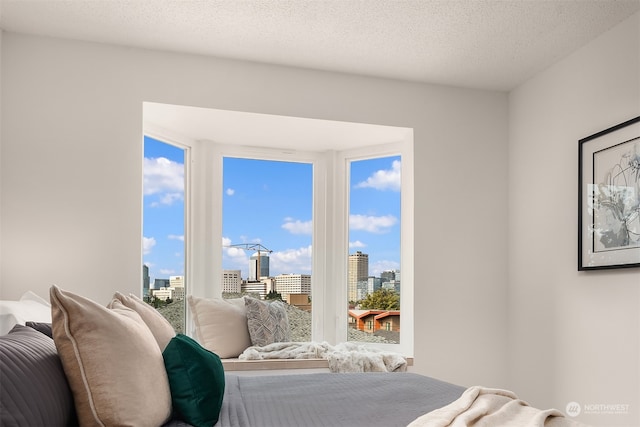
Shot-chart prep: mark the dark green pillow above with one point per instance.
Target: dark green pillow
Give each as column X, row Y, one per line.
column 196, row 380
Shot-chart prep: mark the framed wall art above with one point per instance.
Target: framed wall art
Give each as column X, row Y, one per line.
column 609, row 198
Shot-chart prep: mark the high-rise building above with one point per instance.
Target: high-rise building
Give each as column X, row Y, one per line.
column 358, row 272
column 261, row 288
column 287, row 284
column 146, row 281
column 391, row 280
column 393, row 285
column 261, row 261
column 177, row 284
column 163, row 293
column 388, row 275
column 231, row 281
column 361, row 291
column 161, row 283
column 373, row 284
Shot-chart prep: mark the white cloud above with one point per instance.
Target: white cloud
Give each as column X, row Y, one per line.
column 296, row 261
column 237, row 253
column 245, row 239
column 147, row 244
column 167, row 199
column 372, row 224
column 230, row 191
column 234, row 258
column 175, row 237
column 357, row 244
column 297, row 226
column 233, row 253
column 165, row 178
column 167, row 271
column 383, row 265
column 280, row 262
column 388, row 179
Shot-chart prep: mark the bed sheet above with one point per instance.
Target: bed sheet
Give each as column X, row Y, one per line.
column 332, row 400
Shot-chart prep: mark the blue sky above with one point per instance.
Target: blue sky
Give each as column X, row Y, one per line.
column 268, row 203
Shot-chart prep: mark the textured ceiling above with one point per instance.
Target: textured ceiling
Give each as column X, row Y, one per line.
column 485, row 44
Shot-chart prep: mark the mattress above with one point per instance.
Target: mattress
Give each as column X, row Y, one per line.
column 332, row 400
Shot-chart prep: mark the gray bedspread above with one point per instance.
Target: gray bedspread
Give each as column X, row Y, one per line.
column 332, row 400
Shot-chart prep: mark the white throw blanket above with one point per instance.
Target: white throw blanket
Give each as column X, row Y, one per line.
column 344, row 357
column 486, row 407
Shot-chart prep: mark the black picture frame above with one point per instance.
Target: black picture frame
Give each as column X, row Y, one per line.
column 609, row 198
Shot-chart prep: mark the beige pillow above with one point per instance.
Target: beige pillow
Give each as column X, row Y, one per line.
column 112, row 361
column 221, row 325
column 160, row 327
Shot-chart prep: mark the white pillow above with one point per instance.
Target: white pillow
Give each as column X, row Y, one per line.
column 221, row 325
column 30, row 308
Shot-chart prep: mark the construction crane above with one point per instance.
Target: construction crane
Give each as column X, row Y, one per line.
column 256, row 247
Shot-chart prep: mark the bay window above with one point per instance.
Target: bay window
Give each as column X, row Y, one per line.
column 340, row 210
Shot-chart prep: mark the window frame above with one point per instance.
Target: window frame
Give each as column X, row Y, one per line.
column 167, row 137
column 405, row 150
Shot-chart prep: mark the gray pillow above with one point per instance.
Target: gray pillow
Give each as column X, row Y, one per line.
column 42, row 327
column 267, row 321
column 34, row 389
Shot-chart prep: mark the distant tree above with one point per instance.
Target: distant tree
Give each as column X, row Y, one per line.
column 231, row 295
column 273, row 295
column 155, row 302
column 382, row 299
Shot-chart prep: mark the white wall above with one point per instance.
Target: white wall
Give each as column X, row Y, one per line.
column 72, row 178
column 574, row 336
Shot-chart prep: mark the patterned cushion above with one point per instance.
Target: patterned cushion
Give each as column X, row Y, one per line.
column 267, row 321
column 112, row 361
column 33, row 387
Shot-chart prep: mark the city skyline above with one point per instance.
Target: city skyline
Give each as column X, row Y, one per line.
column 257, row 208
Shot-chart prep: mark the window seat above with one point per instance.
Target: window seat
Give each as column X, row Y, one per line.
column 279, row 366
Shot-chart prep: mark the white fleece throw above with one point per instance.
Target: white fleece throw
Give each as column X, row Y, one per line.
column 486, row 407
column 344, row 357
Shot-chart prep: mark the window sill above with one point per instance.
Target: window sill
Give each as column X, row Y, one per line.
column 273, row 364
column 235, row 365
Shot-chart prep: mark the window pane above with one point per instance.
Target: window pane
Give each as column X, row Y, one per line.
column 163, row 230
column 267, row 235
column 373, row 281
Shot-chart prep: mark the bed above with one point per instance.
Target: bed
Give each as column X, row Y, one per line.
column 73, row 370
column 372, row 399
column 332, row 400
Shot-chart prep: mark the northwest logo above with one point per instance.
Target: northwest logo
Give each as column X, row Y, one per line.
column 573, row 409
